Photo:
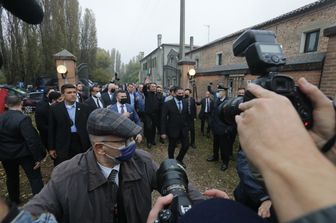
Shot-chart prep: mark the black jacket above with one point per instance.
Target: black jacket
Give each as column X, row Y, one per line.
column 107, row 100
column 18, row 137
column 41, row 120
column 92, row 104
column 191, row 108
column 217, row 126
column 172, row 121
column 152, row 102
column 202, row 111
column 59, row 134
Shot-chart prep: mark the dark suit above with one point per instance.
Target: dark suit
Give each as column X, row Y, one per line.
column 80, row 97
column 93, row 104
column 191, row 105
column 60, row 137
column 175, row 124
column 133, row 114
column 109, row 100
column 205, row 115
column 41, row 120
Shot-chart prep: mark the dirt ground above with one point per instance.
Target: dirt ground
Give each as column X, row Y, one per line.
column 202, row 174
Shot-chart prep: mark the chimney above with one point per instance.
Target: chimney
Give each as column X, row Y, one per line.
column 159, row 38
column 191, row 43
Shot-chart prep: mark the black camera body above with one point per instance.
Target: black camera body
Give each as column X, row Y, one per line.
column 173, row 179
column 264, row 56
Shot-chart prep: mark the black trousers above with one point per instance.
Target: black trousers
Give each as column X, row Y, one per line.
column 13, row 176
column 151, row 124
column 184, row 139
column 205, row 118
column 192, row 131
column 76, row 147
column 221, row 143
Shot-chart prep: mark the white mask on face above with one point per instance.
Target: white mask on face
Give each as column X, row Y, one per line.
column 98, row 95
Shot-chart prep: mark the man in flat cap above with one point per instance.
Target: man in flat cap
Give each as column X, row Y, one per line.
column 112, row 182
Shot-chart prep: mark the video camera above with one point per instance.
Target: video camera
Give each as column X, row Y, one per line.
column 264, row 56
column 173, row 179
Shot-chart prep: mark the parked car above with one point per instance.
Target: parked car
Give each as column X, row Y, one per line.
column 30, row 102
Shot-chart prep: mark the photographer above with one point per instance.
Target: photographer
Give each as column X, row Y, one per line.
column 300, row 180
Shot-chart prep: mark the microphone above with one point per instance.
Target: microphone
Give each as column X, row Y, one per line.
column 29, row 11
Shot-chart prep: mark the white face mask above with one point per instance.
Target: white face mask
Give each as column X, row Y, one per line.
column 98, row 95
column 218, row 95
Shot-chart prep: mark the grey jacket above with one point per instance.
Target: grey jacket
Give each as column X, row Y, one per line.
column 75, row 192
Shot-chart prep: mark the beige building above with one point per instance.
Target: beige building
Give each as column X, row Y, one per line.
column 308, row 37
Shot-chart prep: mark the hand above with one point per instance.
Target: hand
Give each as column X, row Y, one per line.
column 163, row 136
column 280, row 132
column 159, row 205
column 264, row 209
column 37, row 165
column 127, row 114
column 52, row 154
column 323, row 114
column 216, row 193
column 138, row 138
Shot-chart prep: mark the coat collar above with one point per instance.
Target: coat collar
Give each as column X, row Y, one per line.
column 129, row 171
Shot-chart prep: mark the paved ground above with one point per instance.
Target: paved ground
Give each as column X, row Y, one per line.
column 201, row 173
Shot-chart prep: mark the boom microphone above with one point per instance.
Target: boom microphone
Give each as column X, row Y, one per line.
column 29, row 11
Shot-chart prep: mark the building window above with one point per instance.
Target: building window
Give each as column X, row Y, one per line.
column 197, row 63
column 311, row 41
column 219, row 59
column 153, row 62
column 144, row 66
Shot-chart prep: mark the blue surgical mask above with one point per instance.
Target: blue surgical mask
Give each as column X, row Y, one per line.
column 217, row 94
column 127, row 152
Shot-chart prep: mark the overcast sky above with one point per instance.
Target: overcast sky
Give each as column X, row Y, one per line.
column 132, row 26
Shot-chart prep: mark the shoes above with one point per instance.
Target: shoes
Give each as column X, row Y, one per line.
column 161, row 140
column 149, row 145
column 154, row 143
column 212, row 159
column 224, row 167
column 193, row 146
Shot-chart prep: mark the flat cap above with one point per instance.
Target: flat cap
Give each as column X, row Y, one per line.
column 221, row 87
column 103, row 122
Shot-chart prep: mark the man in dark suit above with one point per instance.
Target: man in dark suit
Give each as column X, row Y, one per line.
column 67, row 134
column 94, row 101
column 80, row 95
column 109, row 97
column 191, row 115
column 152, row 112
column 20, row 145
column 207, row 106
column 42, row 115
column 174, row 124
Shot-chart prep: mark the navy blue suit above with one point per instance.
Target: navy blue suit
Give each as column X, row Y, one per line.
column 130, row 109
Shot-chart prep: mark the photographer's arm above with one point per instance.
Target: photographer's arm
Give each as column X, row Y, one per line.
column 299, row 179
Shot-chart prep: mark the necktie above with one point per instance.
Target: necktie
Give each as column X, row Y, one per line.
column 179, row 106
column 98, row 105
column 122, row 109
column 208, row 104
column 112, row 192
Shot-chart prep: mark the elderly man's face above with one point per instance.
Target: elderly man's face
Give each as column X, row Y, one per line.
column 111, row 145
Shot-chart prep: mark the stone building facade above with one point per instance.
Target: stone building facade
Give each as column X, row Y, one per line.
column 308, row 37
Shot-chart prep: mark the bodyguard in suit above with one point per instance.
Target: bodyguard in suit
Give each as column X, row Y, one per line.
column 94, row 101
column 207, row 106
column 191, row 115
column 109, row 97
column 67, row 135
column 80, row 95
column 174, row 124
